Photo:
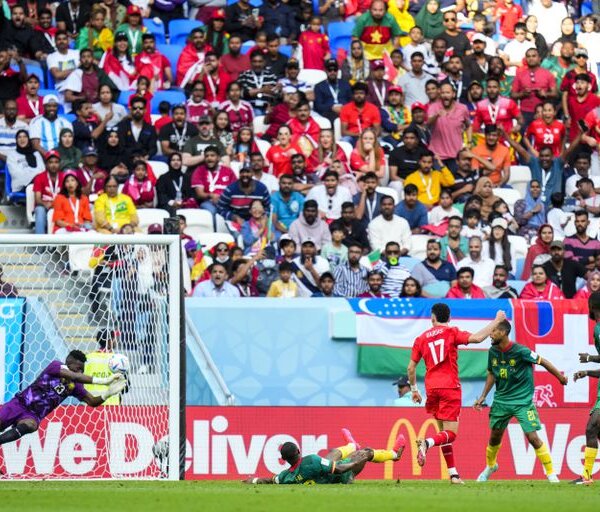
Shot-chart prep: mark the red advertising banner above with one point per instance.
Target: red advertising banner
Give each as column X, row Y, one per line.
column 234, row 442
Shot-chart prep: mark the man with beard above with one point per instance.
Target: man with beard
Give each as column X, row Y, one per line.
column 331, row 94
column 350, row 276
column 456, row 78
column 453, row 246
column 64, row 60
column 375, row 283
column 378, row 30
column 560, row 65
column 174, row 135
column 153, row 65
column 359, row 114
column 234, row 62
column 377, row 85
column 583, row 248
column 465, row 177
column 496, row 109
column 394, row 273
column 497, row 70
column 259, row 85
column 136, row 135
column 476, row 65
column 491, row 158
column 419, row 123
column 45, row 33
column 308, row 269
column 413, row 82
column 368, row 201
column 257, row 164
column 193, row 150
column 330, row 196
column 217, row 285
column 354, row 231
column 395, row 117
column 215, row 80
column 71, row 16
column 287, row 204
column 464, row 287
column 305, row 130
column 389, row 227
column 581, row 167
column 303, row 182
column 483, row 268
column 448, row 120
column 456, row 40
column 190, row 65
column 433, row 268
column 44, row 130
column 210, row 180
column 310, row 226
column 500, row 288
column 438, row 57
column 46, row 187
column 579, row 104
column 275, row 60
column 234, row 203
column 15, row 32
column 9, row 126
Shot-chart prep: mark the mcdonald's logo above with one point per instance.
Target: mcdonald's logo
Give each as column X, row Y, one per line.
column 388, row 471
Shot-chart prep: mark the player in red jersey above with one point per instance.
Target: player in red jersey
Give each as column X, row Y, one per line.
column 438, row 347
column 546, row 131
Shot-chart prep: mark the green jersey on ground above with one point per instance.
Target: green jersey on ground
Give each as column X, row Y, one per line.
column 513, row 373
column 313, row 469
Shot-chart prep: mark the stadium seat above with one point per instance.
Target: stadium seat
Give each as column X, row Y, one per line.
column 418, row 246
column 340, row 35
column 409, row 262
column 323, row 122
column 337, row 128
column 437, row 290
column 158, row 29
column 199, row 222
column 29, row 202
column 173, row 97
column 246, row 47
column 287, row 50
column 259, row 125
column 209, row 240
column 263, row 146
column 520, row 265
column 13, row 197
column 517, row 284
column 34, row 68
column 312, row 76
column 587, row 8
column 511, row 196
column 519, row 247
column 346, row 146
column 171, row 52
column 150, row 216
column 520, row 176
column 179, row 30
column 158, row 167
column 388, row 191
column 124, row 97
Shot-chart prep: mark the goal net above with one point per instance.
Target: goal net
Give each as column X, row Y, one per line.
column 74, row 292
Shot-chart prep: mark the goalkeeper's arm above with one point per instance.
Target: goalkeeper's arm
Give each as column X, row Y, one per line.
column 114, row 388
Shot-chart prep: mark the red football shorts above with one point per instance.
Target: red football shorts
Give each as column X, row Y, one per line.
column 444, row 403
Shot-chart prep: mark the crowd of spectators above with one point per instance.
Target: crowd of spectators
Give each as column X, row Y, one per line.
column 461, row 132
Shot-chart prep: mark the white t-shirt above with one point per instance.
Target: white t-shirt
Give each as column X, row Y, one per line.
column 516, row 53
column 438, row 214
column 269, row 181
column 571, row 183
column 484, row 270
column 557, row 218
column 57, row 60
column 21, row 174
column 549, row 20
column 119, row 113
column 321, row 265
column 331, row 205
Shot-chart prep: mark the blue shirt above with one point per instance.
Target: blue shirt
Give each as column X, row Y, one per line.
column 554, row 183
column 287, row 212
column 416, row 217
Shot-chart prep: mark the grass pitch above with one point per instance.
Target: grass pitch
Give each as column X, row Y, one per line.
column 223, row 496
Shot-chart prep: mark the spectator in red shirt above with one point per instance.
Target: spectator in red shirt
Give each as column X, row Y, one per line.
column 533, row 85
column 215, row 80
column 567, row 86
column 580, row 104
column 546, row 131
column 196, row 105
column 280, row 154
column 359, row 114
column 305, row 130
column 46, row 187
column 464, row 288
column 540, row 287
column 315, row 45
column 368, row 157
column 234, row 62
column 29, row 104
column 496, row 109
column 154, row 65
column 139, row 187
column 509, row 14
column 280, row 114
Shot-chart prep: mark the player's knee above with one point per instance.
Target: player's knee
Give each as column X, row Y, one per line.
column 369, row 452
column 27, row 427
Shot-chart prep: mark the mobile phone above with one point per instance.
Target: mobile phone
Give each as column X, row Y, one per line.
column 583, row 127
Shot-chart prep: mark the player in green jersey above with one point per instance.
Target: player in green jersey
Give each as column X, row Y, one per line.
column 510, row 368
column 592, row 429
column 339, row 466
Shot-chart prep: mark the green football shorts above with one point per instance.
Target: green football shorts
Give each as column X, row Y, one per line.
column 526, row 415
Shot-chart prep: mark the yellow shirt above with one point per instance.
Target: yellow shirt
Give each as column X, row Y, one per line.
column 97, row 366
column 116, row 211
column 430, row 185
column 285, row 290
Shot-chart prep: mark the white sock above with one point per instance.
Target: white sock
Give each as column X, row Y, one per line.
column 430, row 442
column 452, row 471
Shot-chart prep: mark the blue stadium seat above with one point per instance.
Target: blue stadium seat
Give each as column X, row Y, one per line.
column 13, row 197
column 340, row 35
column 158, row 29
column 33, row 68
column 517, row 284
column 287, row 50
column 520, row 265
column 50, row 83
column 124, row 97
column 173, row 97
column 586, row 8
column 315, row 5
column 246, row 46
column 179, row 30
column 171, row 52
column 256, row 3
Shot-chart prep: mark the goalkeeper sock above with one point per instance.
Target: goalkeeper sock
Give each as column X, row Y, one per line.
column 491, row 454
column 383, row 455
column 448, row 454
column 14, row 433
column 347, row 449
column 443, row 437
column 544, row 455
column 589, row 459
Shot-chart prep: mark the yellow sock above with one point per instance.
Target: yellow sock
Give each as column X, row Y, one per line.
column 491, row 454
column 347, row 449
column 544, row 455
column 383, row 455
column 588, row 465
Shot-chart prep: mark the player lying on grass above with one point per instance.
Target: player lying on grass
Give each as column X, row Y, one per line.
column 55, row 384
column 510, row 368
column 438, row 347
column 592, row 429
column 339, row 466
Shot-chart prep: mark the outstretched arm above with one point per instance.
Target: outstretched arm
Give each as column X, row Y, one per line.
column 65, row 373
column 489, row 384
column 586, row 373
column 588, row 358
column 554, row 371
column 481, row 335
column 114, row 388
column 349, row 466
column 256, row 480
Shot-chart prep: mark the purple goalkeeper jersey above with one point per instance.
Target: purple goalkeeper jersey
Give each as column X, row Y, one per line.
column 48, row 391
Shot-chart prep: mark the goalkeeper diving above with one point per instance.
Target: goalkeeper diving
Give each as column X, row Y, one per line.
column 23, row 414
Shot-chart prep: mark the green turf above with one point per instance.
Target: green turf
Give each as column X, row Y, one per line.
column 376, row 496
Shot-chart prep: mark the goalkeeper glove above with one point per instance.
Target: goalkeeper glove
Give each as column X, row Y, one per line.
column 107, row 380
column 114, row 388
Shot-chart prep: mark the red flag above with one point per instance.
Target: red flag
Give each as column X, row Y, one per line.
column 391, row 73
column 115, row 71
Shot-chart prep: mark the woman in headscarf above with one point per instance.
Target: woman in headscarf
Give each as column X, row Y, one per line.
column 541, row 247
column 567, row 30
column 356, row 66
column 70, row 155
column 535, row 37
column 24, row 163
column 485, row 190
column 110, row 150
column 174, row 189
column 399, row 10
column 530, row 212
column 592, row 285
column 431, row 19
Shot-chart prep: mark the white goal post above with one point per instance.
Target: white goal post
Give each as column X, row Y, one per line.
column 68, row 291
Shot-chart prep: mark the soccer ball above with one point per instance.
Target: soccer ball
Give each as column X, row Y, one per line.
column 118, row 363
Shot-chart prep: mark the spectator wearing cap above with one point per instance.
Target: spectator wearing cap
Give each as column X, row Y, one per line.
column 388, row 227
column 492, row 158
column 567, row 85
column 9, row 126
column 190, row 65
column 29, row 103
column 310, row 225
column 378, row 30
column 96, row 37
column 413, row 82
column 235, row 201
column 133, row 28
column 579, row 103
column 46, row 187
column 359, row 114
column 315, row 45
column 476, row 65
column 331, row 94
column 498, row 247
column 330, row 196
column 377, row 85
column 326, row 286
column 419, row 122
column 291, row 79
column 395, row 117
column 153, row 65
column 374, row 284
column 193, row 150
column 44, row 130
column 216, row 36
column 113, row 209
column 71, row 207
column 404, row 395
column 259, row 84
column 90, row 175
column 464, row 287
column 308, row 268
column 174, row 135
column 234, row 62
